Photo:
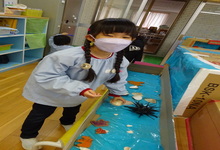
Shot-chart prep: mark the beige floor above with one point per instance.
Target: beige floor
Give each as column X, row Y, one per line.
column 14, row 109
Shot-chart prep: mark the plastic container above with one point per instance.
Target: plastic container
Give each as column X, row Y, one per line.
column 5, row 47
column 6, row 30
column 36, row 25
column 33, row 12
column 16, row 12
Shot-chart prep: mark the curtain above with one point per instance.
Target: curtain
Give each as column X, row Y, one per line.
column 113, row 13
column 154, row 19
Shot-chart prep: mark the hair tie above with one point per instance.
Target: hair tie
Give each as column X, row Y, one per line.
column 113, row 71
column 86, row 66
column 91, row 44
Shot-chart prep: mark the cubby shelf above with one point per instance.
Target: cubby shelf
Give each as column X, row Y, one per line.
column 24, row 50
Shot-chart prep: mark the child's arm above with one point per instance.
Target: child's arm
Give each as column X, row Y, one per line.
column 50, row 74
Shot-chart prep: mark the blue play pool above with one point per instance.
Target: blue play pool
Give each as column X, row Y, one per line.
column 127, row 129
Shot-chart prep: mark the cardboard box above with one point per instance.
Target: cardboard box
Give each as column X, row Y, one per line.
column 183, row 134
column 207, row 44
column 205, row 127
column 195, row 79
column 204, row 87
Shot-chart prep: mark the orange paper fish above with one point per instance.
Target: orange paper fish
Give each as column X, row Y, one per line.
column 136, row 83
column 86, row 141
column 100, row 131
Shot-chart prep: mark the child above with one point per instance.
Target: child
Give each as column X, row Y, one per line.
column 134, row 52
column 59, row 42
column 68, row 77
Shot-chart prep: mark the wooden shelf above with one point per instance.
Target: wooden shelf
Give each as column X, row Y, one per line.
column 17, row 54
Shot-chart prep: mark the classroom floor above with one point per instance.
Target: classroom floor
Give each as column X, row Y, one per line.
column 152, row 59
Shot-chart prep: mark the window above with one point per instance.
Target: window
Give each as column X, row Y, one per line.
column 154, row 19
column 110, row 12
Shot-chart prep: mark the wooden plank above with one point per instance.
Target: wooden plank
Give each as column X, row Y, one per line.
column 69, row 138
column 167, row 134
column 181, row 133
column 145, row 69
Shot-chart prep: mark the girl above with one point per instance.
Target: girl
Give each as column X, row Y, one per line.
column 68, row 77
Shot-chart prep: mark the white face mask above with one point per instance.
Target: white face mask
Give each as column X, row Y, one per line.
column 111, row 44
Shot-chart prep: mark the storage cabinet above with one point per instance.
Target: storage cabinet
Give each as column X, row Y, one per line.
column 27, row 45
column 152, row 43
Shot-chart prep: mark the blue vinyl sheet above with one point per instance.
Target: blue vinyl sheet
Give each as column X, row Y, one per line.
column 146, row 130
column 183, row 68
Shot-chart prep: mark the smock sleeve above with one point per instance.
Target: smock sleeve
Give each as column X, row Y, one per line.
column 50, row 74
column 119, row 88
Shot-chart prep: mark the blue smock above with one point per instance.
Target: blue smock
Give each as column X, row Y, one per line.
column 58, row 78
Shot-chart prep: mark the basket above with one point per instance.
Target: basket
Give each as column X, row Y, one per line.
column 32, row 12
column 5, row 47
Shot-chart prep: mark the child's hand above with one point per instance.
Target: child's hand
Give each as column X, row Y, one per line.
column 91, row 94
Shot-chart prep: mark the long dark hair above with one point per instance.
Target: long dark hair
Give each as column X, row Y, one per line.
column 108, row 26
column 61, row 40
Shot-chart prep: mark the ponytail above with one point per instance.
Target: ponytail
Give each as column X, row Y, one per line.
column 91, row 73
column 119, row 59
